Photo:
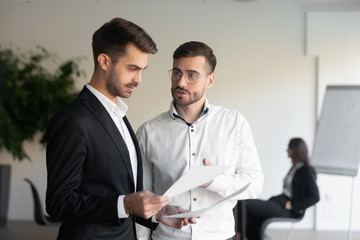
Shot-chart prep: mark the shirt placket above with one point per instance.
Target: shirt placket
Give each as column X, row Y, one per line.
column 194, row 157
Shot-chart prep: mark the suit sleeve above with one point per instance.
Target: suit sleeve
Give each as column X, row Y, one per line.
column 66, row 152
column 309, row 195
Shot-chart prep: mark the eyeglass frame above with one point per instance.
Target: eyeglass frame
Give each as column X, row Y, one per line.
column 186, row 75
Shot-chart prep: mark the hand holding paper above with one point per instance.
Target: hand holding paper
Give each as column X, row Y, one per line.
column 195, row 177
column 207, row 163
column 201, row 211
column 174, row 222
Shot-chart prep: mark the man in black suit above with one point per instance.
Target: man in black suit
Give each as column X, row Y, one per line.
column 93, row 159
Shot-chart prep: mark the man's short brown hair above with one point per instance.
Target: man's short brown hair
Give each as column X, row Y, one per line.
column 194, row 49
column 113, row 37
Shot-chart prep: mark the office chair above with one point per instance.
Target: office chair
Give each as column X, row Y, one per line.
column 40, row 217
column 279, row 219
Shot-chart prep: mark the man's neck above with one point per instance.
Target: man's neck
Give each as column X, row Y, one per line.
column 191, row 112
column 99, row 84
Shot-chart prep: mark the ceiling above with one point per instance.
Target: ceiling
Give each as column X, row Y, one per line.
column 308, row 5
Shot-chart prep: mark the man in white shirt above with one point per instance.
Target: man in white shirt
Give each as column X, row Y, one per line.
column 194, row 133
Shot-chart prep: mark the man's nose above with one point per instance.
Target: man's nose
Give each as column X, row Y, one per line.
column 183, row 80
column 138, row 78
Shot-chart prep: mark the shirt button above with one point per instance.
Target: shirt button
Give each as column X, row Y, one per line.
column 192, row 130
column 194, row 199
column 193, row 154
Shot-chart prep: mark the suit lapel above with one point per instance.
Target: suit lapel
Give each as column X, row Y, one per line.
column 139, row 181
column 99, row 111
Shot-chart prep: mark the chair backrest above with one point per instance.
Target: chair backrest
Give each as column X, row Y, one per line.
column 38, row 210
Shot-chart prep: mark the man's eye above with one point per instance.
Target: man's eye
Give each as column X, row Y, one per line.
column 193, row 75
column 177, row 74
column 134, row 68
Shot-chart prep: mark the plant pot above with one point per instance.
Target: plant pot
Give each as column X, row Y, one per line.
column 4, row 193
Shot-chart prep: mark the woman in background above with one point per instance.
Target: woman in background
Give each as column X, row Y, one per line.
column 299, row 192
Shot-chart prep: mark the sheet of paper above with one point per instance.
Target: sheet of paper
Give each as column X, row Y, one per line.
column 198, row 213
column 195, row 177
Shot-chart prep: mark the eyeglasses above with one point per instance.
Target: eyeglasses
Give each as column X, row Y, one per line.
column 190, row 76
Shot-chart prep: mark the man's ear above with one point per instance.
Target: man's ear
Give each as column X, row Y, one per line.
column 104, row 61
column 211, row 80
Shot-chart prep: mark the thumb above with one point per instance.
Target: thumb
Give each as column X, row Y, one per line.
column 205, row 162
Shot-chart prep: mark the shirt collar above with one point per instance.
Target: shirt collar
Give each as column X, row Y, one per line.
column 119, row 107
column 296, row 166
column 299, row 165
column 174, row 114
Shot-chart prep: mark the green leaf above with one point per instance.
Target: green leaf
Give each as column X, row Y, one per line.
column 30, row 95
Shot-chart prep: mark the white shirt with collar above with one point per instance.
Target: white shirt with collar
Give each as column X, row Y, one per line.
column 170, row 147
column 117, row 112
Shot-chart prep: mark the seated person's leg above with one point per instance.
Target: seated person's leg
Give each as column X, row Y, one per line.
column 257, row 212
column 265, row 209
column 239, row 215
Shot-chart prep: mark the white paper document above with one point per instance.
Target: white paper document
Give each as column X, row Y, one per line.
column 195, row 177
column 198, row 213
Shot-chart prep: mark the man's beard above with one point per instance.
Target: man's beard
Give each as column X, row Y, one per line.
column 193, row 97
column 116, row 89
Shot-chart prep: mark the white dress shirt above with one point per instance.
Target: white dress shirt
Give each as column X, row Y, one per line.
column 170, row 147
column 117, row 112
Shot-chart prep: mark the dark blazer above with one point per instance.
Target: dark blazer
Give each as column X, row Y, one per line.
column 88, row 167
column 305, row 192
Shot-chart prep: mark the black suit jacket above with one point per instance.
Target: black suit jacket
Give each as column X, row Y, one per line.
column 305, row 192
column 88, row 167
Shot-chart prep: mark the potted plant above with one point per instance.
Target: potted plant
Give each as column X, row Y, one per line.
column 29, row 95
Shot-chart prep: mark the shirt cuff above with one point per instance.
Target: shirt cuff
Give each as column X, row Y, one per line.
column 121, row 207
column 153, row 219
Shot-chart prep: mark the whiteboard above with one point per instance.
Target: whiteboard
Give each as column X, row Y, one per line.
column 337, row 141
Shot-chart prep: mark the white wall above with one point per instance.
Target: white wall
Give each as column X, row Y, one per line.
column 262, row 70
column 334, row 37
